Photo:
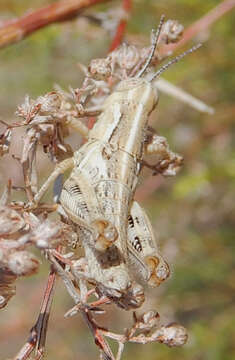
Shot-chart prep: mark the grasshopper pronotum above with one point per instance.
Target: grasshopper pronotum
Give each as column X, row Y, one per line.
column 98, row 195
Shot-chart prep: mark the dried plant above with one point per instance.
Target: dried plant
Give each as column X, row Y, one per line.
column 47, row 121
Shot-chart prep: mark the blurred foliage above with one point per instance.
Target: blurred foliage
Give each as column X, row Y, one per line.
column 193, row 213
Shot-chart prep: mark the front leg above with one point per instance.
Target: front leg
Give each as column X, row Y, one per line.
column 78, row 125
column 168, row 163
column 144, row 256
column 60, row 169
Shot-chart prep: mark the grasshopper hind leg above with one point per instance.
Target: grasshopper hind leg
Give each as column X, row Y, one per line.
column 144, row 255
column 77, row 205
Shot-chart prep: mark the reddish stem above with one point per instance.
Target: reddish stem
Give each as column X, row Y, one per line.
column 99, row 340
column 37, row 336
column 15, row 30
column 126, row 5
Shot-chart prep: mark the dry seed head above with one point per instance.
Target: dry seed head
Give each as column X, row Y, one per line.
column 171, row 335
column 168, row 162
column 50, row 102
column 28, row 110
column 172, row 31
column 23, row 263
column 47, row 234
column 159, row 143
column 125, row 56
column 173, row 166
column 7, row 246
column 10, row 221
column 148, row 320
column 100, row 69
column 39, row 111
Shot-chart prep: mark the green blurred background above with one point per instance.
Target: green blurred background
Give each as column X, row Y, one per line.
column 192, row 213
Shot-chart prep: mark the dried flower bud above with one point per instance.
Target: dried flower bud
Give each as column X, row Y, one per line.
column 50, row 102
column 160, row 144
column 6, row 246
column 31, row 220
column 173, row 165
column 28, row 110
column 100, row 69
column 125, row 56
column 171, row 335
column 148, row 320
column 40, row 110
column 5, row 140
column 23, row 263
column 47, row 234
column 168, row 162
column 10, row 221
column 171, row 32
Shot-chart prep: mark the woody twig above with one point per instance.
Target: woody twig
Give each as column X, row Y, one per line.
column 15, row 30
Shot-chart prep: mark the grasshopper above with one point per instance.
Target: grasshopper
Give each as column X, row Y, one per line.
column 98, row 195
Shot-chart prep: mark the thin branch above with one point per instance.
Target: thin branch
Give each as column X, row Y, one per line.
column 99, row 340
column 15, row 30
column 28, row 161
column 176, row 92
column 42, row 322
column 127, row 5
column 66, row 278
column 97, row 333
column 37, row 336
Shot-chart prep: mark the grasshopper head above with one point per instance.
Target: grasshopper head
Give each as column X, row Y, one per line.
column 131, row 83
column 139, row 91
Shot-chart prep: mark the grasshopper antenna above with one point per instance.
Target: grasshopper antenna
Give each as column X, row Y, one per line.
column 174, row 61
column 155, row 38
